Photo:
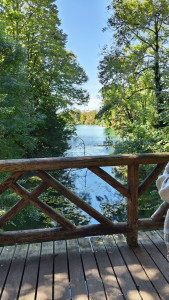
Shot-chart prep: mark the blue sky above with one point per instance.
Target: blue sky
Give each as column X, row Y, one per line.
column 82, row 21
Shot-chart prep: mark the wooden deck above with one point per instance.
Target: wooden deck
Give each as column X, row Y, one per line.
column 88, row 268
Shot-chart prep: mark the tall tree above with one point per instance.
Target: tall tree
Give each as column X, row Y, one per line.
column 134, row 71
column 16, row 119
column 54, row 75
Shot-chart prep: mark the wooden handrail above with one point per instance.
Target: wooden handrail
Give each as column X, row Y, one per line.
column 55, row 163
column 40, row 166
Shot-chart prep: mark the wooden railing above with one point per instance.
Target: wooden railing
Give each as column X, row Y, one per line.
column 68, row 230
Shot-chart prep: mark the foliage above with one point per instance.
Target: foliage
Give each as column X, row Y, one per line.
column 16, row 120
column 116, row 212
column 134, row 74
column 39, row 82
column 32, row 218
column 85, row 117
column 54, row 75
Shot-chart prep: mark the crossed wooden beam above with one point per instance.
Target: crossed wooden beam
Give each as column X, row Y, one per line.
column 49, row 181
column 27, row 197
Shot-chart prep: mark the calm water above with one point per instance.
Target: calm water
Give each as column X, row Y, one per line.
column 93, row 140
column 89, row 140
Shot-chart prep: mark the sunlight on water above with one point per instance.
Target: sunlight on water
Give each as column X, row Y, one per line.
column 93, row 140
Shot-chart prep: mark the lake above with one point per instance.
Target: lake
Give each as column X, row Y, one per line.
column 93, row 140
column 96, row 140
column 89, row 140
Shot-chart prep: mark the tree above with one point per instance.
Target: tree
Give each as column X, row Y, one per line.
column 54, row 75
column 134, row 71
column 16, row 120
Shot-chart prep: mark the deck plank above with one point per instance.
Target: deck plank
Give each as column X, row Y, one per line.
column 61, row 278
column 159, row 282
column 89, row 268
column 77, row 280
column 127, row 285
column 157, row 257
column 145, row 287
column 161, row 233
column 5, row 262
column 107, row 273
column 94, row 282
column 29, row 282
column 157, row 241
column 14, row 278
column 45, row 280
column 1, row 248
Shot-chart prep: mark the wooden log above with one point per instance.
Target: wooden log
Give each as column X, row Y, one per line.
column 40, row 189
column 21, row 204
column 151, row 178
column 13, row 211
column 81, row 162
column 160, row 211
column 132, row 210
column 148, row 223
column 110, row 180
column 49, row 234
column 42, row 206
column 11, row 179
column 73, row 198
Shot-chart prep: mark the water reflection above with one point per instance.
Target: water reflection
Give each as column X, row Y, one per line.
column 90, row 141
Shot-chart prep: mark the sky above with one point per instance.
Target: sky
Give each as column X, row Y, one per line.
column 83, row 21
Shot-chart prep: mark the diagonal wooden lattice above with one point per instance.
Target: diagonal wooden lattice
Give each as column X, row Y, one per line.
column 32, row 198
column 110, row 180
column 151, row 177
column 49, row 181
column 27, row 197
column 94, row 164
column 72, row 197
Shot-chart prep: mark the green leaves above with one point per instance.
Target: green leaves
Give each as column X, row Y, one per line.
column 134, row 74
column 54, row 77
column 16, row 122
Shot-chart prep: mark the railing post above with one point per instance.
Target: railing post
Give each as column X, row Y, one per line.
column 132, row 212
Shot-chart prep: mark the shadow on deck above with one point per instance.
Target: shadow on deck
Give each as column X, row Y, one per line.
column 88, row 268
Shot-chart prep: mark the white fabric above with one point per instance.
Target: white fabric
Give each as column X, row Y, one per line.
column 163, row 188
column 163, row 184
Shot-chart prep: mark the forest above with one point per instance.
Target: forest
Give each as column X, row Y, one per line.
column 134, row 73
column 86, row 117
column 41, row 82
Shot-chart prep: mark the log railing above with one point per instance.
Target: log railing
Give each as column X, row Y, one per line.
column 40, row 167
